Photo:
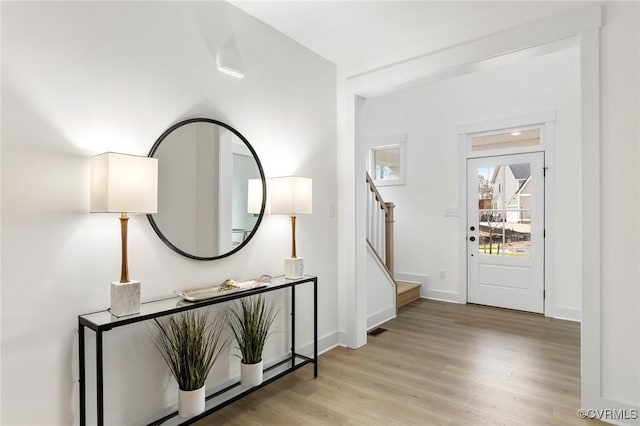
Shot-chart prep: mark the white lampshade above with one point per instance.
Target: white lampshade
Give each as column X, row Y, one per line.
column 123, row 183
column 291, row 195
column 254, row 196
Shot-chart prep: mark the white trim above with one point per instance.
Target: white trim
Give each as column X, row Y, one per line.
column 590, row 330
column 442, row 296
column 380, row 317
column 510, row 122
column 416, row 278
column 539, row 120
column 563, row 313
column 491, row 48
column 390, row 281
column 550, row 218
column 325, row 344
column 387, row 140
column 462, row 223
column 358, row 292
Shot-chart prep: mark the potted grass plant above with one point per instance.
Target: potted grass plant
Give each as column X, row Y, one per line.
column 190, row 343
column 250, row 320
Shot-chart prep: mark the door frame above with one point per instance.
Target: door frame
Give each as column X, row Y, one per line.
column 546, row 122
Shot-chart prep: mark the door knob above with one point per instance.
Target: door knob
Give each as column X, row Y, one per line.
column 472, row 238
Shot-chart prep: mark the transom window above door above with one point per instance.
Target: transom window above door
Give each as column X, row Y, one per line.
column 532, row 132
column 514, row 138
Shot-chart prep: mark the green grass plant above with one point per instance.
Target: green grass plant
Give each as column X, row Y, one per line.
column 250, row 320
column 190, row 343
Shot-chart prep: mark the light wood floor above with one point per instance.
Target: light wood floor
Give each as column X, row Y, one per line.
column 437, row 364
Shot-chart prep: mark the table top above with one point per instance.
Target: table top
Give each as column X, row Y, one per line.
column 103, row 320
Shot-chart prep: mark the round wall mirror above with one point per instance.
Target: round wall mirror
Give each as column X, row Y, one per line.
column 211, row 189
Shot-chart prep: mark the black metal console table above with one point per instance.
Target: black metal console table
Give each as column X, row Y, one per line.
column 103, row 321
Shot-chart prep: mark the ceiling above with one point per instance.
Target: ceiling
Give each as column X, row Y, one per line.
column 346, row 31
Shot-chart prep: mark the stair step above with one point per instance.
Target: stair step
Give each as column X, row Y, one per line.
column 407, row 292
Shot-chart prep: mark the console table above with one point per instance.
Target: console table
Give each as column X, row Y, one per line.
column 103, row 321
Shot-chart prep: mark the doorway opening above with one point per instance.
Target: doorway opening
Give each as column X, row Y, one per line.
column 477, row 55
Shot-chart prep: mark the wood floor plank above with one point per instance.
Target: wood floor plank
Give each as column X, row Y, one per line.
column 436, row 364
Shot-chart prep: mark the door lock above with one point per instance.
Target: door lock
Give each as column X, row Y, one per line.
column 472, row 238
column 473, row 228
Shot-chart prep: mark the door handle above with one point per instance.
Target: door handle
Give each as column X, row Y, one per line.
column 472, row 238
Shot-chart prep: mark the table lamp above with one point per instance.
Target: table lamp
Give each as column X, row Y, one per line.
column 293, row 196
column 124, row 184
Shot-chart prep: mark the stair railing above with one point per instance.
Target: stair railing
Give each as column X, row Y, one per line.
column 380, row 226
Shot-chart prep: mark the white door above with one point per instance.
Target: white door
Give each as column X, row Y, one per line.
column 505, row 231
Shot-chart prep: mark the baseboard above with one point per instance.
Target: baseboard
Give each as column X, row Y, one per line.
column 442, row 296
column 325, row 344
column 569, row 314
column 614, row 412
column 380, row 317
column 328, row 342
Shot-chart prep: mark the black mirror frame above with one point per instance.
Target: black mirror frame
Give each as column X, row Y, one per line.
column 153, row 223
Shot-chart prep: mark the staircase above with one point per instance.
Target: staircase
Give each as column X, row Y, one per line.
column 380, row 240
column 407, row 292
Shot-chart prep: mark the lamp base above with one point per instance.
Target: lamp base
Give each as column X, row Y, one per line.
column 293, row 268
column 125, row 298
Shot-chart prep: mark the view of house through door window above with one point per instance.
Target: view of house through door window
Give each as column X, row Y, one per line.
column 504, row 210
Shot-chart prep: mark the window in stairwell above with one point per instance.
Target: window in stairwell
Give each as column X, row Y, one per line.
column 387, row 160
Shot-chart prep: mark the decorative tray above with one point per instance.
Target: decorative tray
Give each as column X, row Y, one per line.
column 227, row 287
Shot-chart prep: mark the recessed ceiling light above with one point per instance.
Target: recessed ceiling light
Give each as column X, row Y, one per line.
column 516, row 133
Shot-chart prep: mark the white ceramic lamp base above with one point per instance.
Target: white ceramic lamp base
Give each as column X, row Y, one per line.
column 293, row 267
column 125, row 298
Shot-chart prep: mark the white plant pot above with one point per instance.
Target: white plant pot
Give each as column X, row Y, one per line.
column 191, row 403
column 250, row 374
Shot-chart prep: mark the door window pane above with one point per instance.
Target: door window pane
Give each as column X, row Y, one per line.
column 504, row 210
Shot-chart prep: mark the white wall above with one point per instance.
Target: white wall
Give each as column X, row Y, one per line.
column 381, row 293
column 620, row 154
column 427, row 242
column 84, row 78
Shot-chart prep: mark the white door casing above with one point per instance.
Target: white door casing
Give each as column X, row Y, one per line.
column 505, row 231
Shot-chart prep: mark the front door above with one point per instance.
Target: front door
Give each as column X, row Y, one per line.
column 505, row 231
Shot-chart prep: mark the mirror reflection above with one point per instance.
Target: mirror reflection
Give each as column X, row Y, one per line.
column 210, row 189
